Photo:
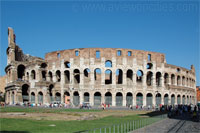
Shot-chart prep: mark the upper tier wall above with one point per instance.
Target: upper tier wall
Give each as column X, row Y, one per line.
column 107, row 53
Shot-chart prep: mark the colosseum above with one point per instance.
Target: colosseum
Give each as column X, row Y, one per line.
column 114, row 76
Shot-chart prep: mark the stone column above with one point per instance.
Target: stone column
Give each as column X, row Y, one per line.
column 175, row 99
column 124, row 100
column 91, row 99
column 36, row 97
column 71, row 76
column 114, row 99
column 92, row 77
column 144, row 78
column 102, row 98
column 124, row 78
column 134, row 79
column 81, row 97
column 154, row 79
column 169, row 80
column 81, row 78
column 162, row 81
column 144, row 99
column 54, row 77
column 103, row 77
column 162, row 98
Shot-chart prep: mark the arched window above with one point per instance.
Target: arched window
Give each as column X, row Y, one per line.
column 50, row 75
column 158, row 79
column 76, row 76
column 119, row 76
column 129, row 76
column 139, row 76
column 172, row 79
column 97, row 75
column 108, row 77
column 149, row 78
column 108, row 63
column 67, row 76
column 44, row 75
column 67, row 64
column 58, row 75
column 33, row 75
column 43, row 65
column 166, row 78
column 20, row 72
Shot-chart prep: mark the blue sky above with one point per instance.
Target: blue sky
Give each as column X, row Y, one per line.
column 162, row 26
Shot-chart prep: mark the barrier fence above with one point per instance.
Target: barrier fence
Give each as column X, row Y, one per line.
column 127, row 126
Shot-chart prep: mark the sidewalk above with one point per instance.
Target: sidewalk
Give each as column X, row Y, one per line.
column 159, row 127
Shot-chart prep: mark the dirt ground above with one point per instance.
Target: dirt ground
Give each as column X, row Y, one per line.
column 71, row 115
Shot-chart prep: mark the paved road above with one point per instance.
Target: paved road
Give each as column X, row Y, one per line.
column 176, row 125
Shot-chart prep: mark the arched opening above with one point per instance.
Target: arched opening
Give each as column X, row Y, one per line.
column 172, row 99
column 51, row 99
column 33, row 75
column 108, row 63
column 67, row 64
column 67, row 76
column 178, row 80
column 108, row 98
column 76, row 99
column 97, row 76
column 58, row 97
column 67, row 97
column 58, row 76
column 139, row 99
column 119, row 76
column 129, row 99
column 166, row 79
column 178, row 99
column 166, row 99
column 172, row 79
column 129, row 76
column 50, row 75
column 187, row 100
column 97, row 98
column 40, row 97
column 108, row 77
column 183, row 81
column 139, row 76
column 43, row 65
column 20, row 72
column 149, row 99
column 149, row 66
column 158, row 79
column 44, row 75
column 183, row 99
column 149, row 78
column 119, row 99
column 76, row 76
column 32, row 97
column 86, row 97
column 158, row 99
column 25, row 91
column 86, row 75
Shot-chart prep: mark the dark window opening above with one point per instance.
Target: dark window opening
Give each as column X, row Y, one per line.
column 97, row 54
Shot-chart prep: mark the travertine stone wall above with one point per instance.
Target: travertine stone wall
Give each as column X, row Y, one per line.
column 84, row 75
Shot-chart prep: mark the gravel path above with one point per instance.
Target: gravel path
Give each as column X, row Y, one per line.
column 179, row 125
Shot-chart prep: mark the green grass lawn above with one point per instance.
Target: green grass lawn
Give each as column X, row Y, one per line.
column 44, row 110
column 59, row 126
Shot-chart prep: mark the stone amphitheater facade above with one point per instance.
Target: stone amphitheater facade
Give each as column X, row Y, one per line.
column 114, row 76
